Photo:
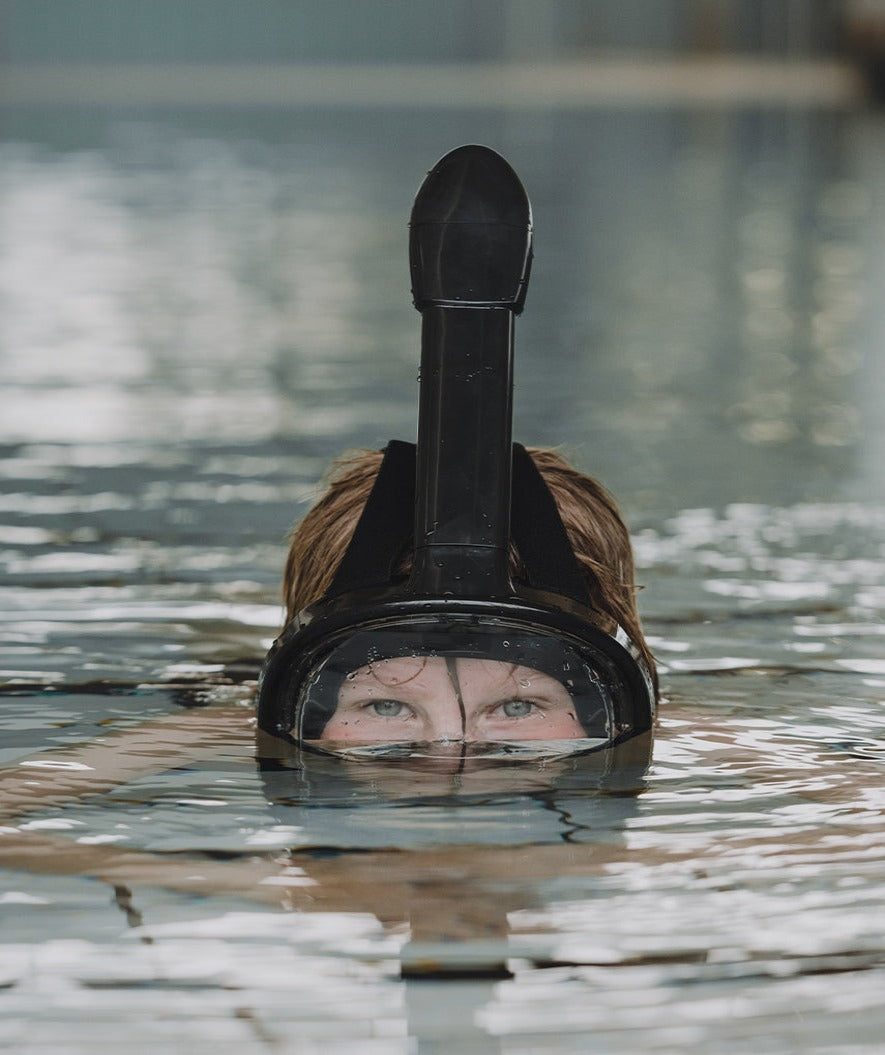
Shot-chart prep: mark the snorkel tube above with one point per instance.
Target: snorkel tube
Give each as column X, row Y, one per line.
column 455, row 505
column 470, row 251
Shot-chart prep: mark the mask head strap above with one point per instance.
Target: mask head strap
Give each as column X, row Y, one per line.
column 384, row 529
column 539, row 533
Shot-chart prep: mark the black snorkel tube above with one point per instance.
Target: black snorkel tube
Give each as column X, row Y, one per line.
column 470, row 250
column 456, row 504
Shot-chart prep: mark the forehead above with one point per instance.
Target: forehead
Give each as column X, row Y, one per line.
column 403, row 670
column 406, row 670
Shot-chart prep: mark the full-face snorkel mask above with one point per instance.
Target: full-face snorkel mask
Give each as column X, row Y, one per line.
column 457, row 655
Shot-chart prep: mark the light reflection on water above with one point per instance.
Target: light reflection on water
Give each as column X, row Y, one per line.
column 194, row 322
column 746, row 876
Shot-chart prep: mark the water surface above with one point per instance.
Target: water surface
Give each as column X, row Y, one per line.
column 196, row 314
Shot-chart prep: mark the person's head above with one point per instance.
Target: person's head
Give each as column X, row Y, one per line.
column 417, row 698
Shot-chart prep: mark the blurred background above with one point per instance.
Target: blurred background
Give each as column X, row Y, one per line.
column 204, row 287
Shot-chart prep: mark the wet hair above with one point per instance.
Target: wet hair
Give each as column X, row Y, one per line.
column 594, row 526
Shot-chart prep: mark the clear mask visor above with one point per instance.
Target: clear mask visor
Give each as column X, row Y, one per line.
column 431, row 689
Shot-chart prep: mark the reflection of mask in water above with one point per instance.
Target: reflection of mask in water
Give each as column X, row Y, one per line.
column 459, row 651
column 296, row 779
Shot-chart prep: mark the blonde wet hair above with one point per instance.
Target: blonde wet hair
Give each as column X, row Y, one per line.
column 593, row 523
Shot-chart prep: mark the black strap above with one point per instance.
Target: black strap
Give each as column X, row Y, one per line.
column 385, row 526
column 537, row 529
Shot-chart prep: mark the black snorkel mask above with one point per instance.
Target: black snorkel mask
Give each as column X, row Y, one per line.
column 457, row 651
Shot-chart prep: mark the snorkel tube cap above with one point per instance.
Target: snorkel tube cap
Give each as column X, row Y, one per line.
column 470, row 241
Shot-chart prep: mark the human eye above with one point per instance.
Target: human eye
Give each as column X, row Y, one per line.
column 389, row 708
column 518, row 708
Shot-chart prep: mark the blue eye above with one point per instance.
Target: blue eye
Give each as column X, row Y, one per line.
column 388, row 708
column 517, row 708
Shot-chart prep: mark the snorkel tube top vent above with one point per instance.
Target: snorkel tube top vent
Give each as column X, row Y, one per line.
column 470, row 241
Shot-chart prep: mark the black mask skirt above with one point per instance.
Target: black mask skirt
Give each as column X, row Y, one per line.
column 458, row 651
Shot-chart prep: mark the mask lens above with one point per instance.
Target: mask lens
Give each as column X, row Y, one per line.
column 486, row 683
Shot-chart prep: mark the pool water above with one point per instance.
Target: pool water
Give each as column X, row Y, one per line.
column 197, row 313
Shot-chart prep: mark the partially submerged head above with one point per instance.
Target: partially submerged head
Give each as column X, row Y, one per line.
column 461, row 588
column 378, row 691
